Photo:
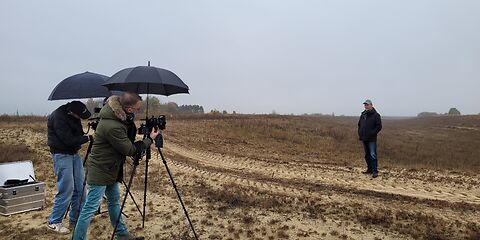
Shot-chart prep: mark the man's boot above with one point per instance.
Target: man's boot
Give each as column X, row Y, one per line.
column 367, row 172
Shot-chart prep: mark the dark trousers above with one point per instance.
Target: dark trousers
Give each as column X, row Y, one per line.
column 371, row 156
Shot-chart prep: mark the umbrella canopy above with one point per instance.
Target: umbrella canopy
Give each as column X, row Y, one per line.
column 83, row 85
column 147, row 80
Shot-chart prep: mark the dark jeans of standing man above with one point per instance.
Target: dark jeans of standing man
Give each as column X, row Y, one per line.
column 371, row 156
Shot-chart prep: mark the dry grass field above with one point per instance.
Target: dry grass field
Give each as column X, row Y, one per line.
column 284, row 177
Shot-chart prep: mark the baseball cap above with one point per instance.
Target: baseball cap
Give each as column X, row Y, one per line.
column 368, row 101
column 79, row 109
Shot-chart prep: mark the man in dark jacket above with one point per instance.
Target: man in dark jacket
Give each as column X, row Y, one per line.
column 369, row 125
column 65, row 137
column 112, row 145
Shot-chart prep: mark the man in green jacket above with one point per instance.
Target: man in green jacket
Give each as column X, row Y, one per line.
column 110, row 148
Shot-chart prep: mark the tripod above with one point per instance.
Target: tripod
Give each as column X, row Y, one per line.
column 158, row 145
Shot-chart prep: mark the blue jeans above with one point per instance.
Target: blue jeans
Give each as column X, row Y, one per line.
column 94, row 196
column 370, row 149
column 70, row 176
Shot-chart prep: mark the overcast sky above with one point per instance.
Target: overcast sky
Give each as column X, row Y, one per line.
column 253, row 56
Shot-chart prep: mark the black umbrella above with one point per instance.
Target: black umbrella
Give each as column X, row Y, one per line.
column 147, row 80
column 83, row 85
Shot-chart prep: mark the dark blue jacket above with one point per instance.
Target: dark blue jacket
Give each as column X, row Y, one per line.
column 369, row 125
column 65, row 132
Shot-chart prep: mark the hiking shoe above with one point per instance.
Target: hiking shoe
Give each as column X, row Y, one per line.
column 129, row 237
column 58, row 227
column 375, row 174
column 367, row 172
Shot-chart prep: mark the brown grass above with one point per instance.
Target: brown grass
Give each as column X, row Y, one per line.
column 232, row 196
column 433, row 143
column 13, row 152
column 418, row 223
column 35, row 123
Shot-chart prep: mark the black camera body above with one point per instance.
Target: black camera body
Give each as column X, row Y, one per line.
column 159, row 122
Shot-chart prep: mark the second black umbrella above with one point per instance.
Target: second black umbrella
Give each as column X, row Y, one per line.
column 83, row 85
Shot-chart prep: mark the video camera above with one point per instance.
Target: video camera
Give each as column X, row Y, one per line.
column 157, row 123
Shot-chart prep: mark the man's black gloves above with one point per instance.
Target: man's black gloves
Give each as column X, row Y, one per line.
column 140, row 151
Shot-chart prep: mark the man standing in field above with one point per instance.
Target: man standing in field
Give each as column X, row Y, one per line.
column 65, row 137
column 369, row 125
column 112, row 144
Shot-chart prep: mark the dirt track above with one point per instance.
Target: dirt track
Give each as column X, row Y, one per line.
column 239, row 198
column 437, row 187
column 443, row 198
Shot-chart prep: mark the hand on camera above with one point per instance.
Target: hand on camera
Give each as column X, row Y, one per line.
column 154, row 133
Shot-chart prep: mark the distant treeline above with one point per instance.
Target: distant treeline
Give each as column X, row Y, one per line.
column 451, row 112
column 155, row 107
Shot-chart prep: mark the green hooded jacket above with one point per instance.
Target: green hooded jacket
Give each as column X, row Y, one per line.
column 111, row 145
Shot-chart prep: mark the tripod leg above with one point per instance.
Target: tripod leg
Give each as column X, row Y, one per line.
column 145, row 187
column 124, row 199
column 131, row 196
column 66, row 211
column 178, row 194
column 99, row 210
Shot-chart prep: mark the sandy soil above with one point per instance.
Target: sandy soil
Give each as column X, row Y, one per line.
column 239, row 198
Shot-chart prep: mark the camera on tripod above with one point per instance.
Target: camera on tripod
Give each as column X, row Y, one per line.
column 157, row 123
column 93, row 122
